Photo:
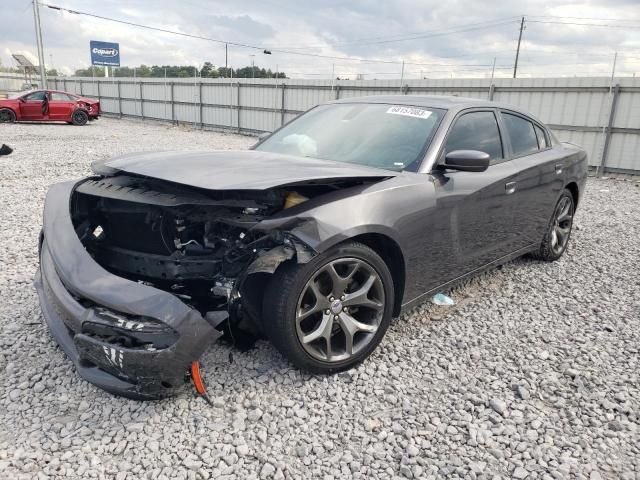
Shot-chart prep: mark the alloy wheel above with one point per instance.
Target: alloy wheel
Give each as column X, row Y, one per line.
column 78, row 117
column 340, row 309
column 6, row 116
column 562, row 223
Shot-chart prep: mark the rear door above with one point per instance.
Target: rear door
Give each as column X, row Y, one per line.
column 31, row 105
column 539, row 178
column 478, row 206
column 60, row 106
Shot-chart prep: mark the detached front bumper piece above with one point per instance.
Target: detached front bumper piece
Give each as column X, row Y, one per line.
column 127, row 338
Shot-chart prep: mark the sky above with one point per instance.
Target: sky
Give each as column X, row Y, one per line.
column 370, row 38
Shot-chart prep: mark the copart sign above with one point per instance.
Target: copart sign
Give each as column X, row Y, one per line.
column 105, row 53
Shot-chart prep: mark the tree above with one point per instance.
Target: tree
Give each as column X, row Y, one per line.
column 208, row 70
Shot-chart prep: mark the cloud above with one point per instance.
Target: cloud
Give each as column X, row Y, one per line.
column 449, row 38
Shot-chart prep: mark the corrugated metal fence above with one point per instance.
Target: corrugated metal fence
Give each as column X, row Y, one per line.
column 600, row 115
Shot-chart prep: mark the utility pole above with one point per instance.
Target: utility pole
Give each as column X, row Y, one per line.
column 225, row 58
column 36, row 20
column 515, row 65
column 402, row 75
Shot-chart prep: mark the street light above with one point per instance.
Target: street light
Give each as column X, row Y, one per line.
column 253, row 71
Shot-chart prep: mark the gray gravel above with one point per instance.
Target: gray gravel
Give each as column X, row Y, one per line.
column 533, row 374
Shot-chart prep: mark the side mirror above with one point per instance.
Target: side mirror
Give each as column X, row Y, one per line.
column 467, row 160
column 5, row 149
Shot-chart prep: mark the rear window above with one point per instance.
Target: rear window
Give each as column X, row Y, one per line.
column 60, row 97
column 521, row 133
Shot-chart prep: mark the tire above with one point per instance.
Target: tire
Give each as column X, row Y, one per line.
column 79, row 117
column 292, row 313
column 556, row 238
column 7, row 115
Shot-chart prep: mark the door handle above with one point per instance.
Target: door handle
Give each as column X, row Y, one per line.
column 559, row 167
column 510, row 187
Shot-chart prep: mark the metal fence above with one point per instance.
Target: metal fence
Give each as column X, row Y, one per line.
column 601, row 115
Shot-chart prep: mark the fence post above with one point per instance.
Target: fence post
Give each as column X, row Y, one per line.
column 492, row 89
column 141, row 102
column 284, row 85
column 81, row 94
column 337, row 92
column 171, row 100
column 119, row 99
column 607, row 138
column 64, row 84
column 200, row 99
column 238, row 104
column 99, row 99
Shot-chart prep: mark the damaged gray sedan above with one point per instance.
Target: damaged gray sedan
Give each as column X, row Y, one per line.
column 315, row 238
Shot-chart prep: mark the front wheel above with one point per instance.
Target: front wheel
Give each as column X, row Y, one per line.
column 558, row 232
column 79, row 117
column 7, row 115
column 329, row 315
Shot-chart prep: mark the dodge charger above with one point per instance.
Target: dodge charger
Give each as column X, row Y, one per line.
column 315, row 238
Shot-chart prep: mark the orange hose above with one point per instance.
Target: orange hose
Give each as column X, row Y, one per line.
column 197, row 378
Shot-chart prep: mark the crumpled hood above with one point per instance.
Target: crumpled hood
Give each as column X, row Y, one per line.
column 235, row 170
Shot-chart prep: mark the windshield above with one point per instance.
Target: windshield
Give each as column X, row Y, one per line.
column 393, row 137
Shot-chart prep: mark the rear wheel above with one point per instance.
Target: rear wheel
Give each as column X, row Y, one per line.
column 79, row 117
column 7, row 115
column 557, row 236
column 329, row 315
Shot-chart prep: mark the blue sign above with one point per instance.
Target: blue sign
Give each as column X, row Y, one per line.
column 105, row 53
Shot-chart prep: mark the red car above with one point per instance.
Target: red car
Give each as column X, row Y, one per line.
column 49, row 106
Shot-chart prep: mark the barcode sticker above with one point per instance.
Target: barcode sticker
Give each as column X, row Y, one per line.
column 409, row 111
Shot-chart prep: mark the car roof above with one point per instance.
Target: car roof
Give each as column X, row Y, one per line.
column 445, row 102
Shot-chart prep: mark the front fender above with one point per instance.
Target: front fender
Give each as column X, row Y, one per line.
column 389, row 208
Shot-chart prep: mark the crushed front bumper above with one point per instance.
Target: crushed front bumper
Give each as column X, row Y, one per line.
column 89, row 311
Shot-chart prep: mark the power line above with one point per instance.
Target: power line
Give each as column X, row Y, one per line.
column 627, row 27
column 605, row 19
column 238, row 44
column 414, row 36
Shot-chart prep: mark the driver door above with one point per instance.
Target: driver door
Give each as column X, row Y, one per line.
column 31, row 106
column 479, row 206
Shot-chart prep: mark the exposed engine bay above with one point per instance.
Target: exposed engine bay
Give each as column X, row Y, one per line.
column 198, row 245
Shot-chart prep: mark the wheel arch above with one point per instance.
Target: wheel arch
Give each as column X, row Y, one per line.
column 575, row 193
column 10, row 108
column 392, row 255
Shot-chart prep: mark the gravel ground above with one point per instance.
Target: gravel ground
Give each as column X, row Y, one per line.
column 533, row 374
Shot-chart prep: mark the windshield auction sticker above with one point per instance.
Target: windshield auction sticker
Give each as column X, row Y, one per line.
column 409, row 111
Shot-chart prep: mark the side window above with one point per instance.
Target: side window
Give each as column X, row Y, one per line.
column 59, row 97
column 35, row 96
column 521, row 133
column 476, row 131
column 542, row 138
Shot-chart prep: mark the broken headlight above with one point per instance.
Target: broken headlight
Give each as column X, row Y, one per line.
column 128, row 330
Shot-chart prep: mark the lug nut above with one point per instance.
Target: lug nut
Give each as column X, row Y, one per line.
column 342, row 297
column 331, row 299
column 345, row 309
column 327, row 312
